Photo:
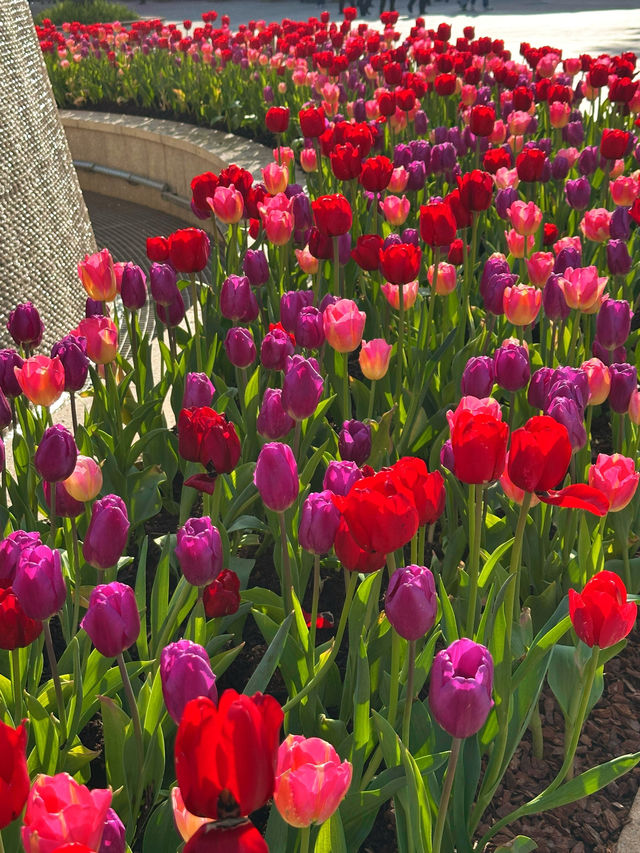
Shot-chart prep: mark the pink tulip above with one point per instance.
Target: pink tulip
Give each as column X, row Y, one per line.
column 60, row 810
column 187, row 824
column 540, row 267
column 505, row 178
column 595, row 224
column 559, row 114
column 409, row 294
column 567, row 243
column 102, row 338
column 374, row 358
column 447, row 278
column 284, row 155
column 634, row 407
column 227, row 204
column 583, row 288
column 624, row 190
column 275, row 178
column 518, row 122
column 307, row 262
column 85, row 482
column 515, row 243
column 309, row 160
column 525, row 216
column 570, row 154
column 399, row 180
column 616, row 477
column 343, row 325
column 311, row 781
column 277, row 219
column 521, row 304
column 499, row 133
column 98, row 276
column 599, row 380
column 41, row 379
column 477, row 405
column 395, row 209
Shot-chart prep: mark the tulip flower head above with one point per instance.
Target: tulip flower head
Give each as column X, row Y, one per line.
column 343, row 325
column 14, row 781
column 98, row 276
column 112, row 620
column 600, row 614
column 374, row 358
column 616, row 477
column 41, row 379
column 461, row 687
column 187, row 824
column 521, row 304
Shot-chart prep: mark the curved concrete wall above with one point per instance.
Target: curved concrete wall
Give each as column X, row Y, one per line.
column 166, row 153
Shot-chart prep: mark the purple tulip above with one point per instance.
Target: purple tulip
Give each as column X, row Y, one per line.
column 198, row 391
column 559, row 168
column 302, row 387
column 38, row 583
column 354, row 442
column 113, row 835
column 568, row 257
column 273, row 422
column 503, row 201
column 291, row 303
column 276, row 476
column 608, row 356
column 340, row 476
column 493, row 291
column 163, row 284
column 93, row 307
column 199, row 551
column 618, row 257
column 240, row 347
column 112, row 620
column 309, row 328
column 624, row 380
column 588, row 160
column 411, row 235
column 173, row 314
column 133, row 288
column 446, row 456
column 417, row 172
column 574, row 378
column 477, row 377
column 460, row 688
column 613, row 322
column 5, row 411
column 420, row 123
column 553, row 301
column 237, row 300
column 620, row 224
column 11, row 549
column 107, row 533
column 511, row 365
column 539, row 386
column 276, row 347
column 566, row 411
column 25, row 325
column 72, row 352
column 411, row 603
column 578, row 193
column 319, row 520
column 9, row 359
column 255, row 267
column 56, row 455
column 185, row 672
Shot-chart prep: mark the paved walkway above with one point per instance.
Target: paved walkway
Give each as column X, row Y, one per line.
column 577, row 26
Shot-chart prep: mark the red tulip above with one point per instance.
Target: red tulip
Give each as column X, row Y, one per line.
column 600, row 614
column 437, row 224
column 578, row 496
column 376, row 174
column 345, row 162
column 189, row 249
column 277, row 119
column 215, row 838
column 352, row 556
column 158, row 249
column 311, row 122
column 614, row 142
column 14, row 776
column 530, row 164
column 17, row 630
column 332, row 214
column 540, row 454
column 428, row 490
column 400, row 262
column 482, row 120
column 367, row 251
column 479, row 444
column 476, row 190
column 226, row 756
column 202, row 187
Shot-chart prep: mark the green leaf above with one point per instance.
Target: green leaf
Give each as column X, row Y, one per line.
column 141, row 599
column 449, row 623
column 114, row 726
column 361, row 719
column 45, row 735
column 267, row 666
column 160, row 834
column 519, row 844
column 565, row 677
column 331, row 836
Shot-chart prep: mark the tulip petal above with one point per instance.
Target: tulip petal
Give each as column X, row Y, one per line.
column 202, row 482
column 579, row 496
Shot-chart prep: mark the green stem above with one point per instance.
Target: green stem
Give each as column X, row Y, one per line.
column 574, row 338
column 400, row 353
column 314, row 607
column 443, row 806
column 286, row 566
column 52, row 515
column 394, row 683
column 62, row 712
column 137, row 727
column 16, row 683
column 76, row 576
column 536, row 733
column 336, row 269
column 196, row 325
column 346, row 397
column 406, row 717
column 305, row 836
column 475, row 533
column 1, row 844
column 372, row 397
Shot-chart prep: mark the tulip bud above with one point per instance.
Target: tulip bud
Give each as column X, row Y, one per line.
column 11, row 549
column 41, row 379
column 25, row 325
column 553, row 300
column 237, row 300
column 599, row 381
column 198, row 391
column 255, row 267
column 374, row 358
column 309, row 328
column 113, row 835
column 620, row 224
column 319, row 520
column 56, row 455
column 240, row 347
column 72, row 353
column 133, row 289
column 85, row 481
column 411, row 603
column 9, row 385
column 618, row 257
column 511, row 365
column 222, row 596
column 613, row 322
column 273, row 421
column 275, row 349
column 340, row 476
column 478, row 377
column 461, row 687
column 578, row 193
column 39, row 584
column 185, row 672
column 5, row 411
column 354, row 442
column 541, row 382
column 276, row 476
column 600, row 614
column 624, row 380
column 302, row 387
column 112, row 620
column 163, row 283
column 199, row 551
column 107, row 533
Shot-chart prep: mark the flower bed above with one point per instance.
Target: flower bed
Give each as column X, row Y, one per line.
column 403, row 471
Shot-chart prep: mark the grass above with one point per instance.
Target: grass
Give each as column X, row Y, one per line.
column 86, row 12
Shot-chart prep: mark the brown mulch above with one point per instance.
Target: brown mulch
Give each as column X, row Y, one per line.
column 592, row 825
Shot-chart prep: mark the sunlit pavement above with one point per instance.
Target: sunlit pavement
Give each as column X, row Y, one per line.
column 577, row 27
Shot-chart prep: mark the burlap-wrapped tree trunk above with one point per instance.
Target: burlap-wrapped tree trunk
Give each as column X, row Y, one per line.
column 44, row 225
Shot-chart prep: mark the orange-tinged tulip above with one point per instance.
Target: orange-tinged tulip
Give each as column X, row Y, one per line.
column 98, row 276
column 374, row 358
column 102, row 338
column 521, row 304
column 187, row 824
column 41, row 379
